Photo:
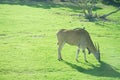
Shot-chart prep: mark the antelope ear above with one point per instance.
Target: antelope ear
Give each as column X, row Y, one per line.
column 95, row 45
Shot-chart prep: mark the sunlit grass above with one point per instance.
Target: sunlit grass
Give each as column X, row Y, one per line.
column 28, row 49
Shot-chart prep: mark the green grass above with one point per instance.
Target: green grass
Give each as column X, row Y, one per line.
column 28, row 49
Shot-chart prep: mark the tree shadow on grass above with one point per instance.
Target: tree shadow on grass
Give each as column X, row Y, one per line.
column 104, row 70
column 31, row 4
column 45, row 5
column 41, row 4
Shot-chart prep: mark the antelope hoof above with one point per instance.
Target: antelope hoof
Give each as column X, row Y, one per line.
column 77, row 60
column 86, row 61
column 99, row 61
column 60, row 59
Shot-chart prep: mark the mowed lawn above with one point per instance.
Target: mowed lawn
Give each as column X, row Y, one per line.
column 28, row 44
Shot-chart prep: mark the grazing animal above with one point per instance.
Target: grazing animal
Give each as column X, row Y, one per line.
column 80, row 38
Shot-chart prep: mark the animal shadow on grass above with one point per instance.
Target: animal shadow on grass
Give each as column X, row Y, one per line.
column 104, row 70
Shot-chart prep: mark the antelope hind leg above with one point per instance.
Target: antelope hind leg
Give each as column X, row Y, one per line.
column 59, row 51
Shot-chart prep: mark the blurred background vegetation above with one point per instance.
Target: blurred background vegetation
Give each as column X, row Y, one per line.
column 88, row 6
column 109, row 2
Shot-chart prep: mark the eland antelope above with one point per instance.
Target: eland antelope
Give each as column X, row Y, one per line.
column 77, row 37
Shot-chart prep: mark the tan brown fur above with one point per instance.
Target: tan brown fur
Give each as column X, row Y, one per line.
column 77, row 37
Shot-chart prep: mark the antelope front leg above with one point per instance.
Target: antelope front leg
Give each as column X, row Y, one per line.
column 85, row 56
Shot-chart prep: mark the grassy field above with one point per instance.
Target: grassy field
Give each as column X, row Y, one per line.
column 28, row 49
